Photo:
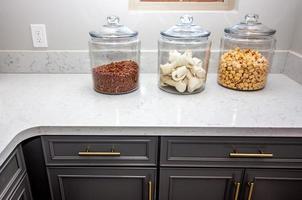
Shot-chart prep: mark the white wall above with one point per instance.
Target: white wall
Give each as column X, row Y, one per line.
column 69, row 21
column 297, row 39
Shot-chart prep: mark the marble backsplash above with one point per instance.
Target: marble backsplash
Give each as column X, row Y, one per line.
column 293, row 67
column 78, row 62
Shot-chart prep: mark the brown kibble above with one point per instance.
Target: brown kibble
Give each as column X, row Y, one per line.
column 116, row 77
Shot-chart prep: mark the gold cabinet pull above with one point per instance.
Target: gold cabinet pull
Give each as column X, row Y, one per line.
column 250, row 194
column 91, row 153
column 251, row 155
column 150, row 190
column 237, row 189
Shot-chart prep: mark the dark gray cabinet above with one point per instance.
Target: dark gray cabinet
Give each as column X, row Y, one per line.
column 243, row 152
column 79, row 183
column 273, row 184
column 11, row 172
column 35, row 168
column 200, row 183
column 100, row 150
column 22, row 192
column 126, row 168
column 101, row 167
column 203, row 168
column 14, row 183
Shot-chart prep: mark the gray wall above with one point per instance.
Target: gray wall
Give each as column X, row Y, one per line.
column 68, row 21
column 297, row 39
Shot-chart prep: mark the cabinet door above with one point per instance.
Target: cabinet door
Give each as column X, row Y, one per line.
column 11, row 173
column 22, row 192
column 197, row 184
column 102, row 183
column 273, row 184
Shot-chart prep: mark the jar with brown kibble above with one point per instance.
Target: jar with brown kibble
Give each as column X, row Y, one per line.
column 114, row 55
column 247, row 51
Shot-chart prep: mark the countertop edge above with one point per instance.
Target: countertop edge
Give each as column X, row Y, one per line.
column 285, row 132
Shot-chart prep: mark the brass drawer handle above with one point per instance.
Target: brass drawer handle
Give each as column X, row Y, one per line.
column 150, row 190
column 250, row 194
column 88, row 153
column 237, row 189
column 251, row 155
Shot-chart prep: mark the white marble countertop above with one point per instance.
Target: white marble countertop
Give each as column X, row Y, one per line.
column 68, row 100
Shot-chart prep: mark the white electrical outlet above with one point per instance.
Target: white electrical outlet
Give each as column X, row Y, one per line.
column 38, row 33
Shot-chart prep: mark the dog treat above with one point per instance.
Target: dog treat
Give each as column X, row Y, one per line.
column 116, row 77
column 183, row 72
column 243, row 69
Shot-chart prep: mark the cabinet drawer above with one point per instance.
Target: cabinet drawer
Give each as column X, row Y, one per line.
column 22, row 192
column 92, row 183
column 225, row 151
column 101, row 151
column 11, row 172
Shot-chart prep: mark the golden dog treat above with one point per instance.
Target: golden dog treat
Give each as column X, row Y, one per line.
column 243, row 69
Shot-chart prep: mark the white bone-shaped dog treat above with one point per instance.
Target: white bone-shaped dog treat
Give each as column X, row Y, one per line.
column 183, row 71
column 180, row 86
column 167, row 68
column 179, row 59
column 174, row 55
column 189, row 57
column 162, row 84
column 197, row 62
column 180, row 73
column 198, row 71
column 194, row 83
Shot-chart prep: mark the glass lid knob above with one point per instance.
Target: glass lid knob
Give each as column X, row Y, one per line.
column 251, row 19
column 113, row 20
column 186, row 20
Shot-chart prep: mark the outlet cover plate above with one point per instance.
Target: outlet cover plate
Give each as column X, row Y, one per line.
column 38, row 32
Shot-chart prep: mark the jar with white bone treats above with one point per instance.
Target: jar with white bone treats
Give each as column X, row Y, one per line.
column 184, row 52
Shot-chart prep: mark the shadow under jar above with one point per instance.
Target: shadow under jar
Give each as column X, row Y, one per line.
column 247, row 51
column 184, row 52
column 115, row 58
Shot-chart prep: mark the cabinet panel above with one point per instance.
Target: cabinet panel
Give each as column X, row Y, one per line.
column 100, row 150
column 11, row 172
column 22, row 192
column 35, row 168
column 216, row 151
column 196, row 184
column 102, row 183
column 275, row 184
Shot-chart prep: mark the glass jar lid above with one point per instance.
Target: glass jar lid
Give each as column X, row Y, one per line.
column 250, row 27
column 113, row 29
column 185, row 29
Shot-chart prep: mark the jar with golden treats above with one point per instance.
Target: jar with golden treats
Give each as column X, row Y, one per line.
column 247, row 51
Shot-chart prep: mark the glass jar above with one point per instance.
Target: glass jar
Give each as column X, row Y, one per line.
column 247, row 51
column 184, row 52
column 115, row 57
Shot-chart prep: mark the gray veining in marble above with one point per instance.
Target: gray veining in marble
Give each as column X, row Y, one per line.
column 68, row 100
column 78, row 62
column 44, row 62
